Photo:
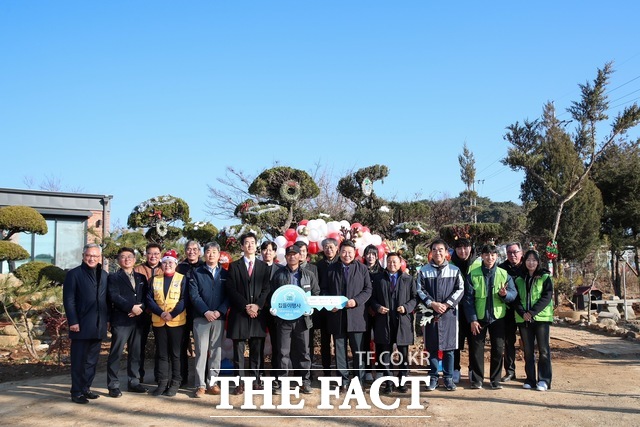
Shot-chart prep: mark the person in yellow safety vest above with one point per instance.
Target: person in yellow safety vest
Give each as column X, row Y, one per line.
column 534, row 316
column 166, row 300
column 488, row 290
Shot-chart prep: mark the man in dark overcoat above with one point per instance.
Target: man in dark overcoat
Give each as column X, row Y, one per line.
column 84, row 295
column 247, row 288
column 393, row 299
column 351, row 279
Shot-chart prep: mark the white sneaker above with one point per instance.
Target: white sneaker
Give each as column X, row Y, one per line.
column 526, row 386
column 542, row 386
column 456, row 377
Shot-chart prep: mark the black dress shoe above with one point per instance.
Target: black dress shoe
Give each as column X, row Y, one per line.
column 402, row 389
column 138, row 388
column 79, row 399
column 90, row 395
column 115, row 392
column 507, row 378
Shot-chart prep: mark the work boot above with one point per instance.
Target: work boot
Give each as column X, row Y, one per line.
column 162, row 386
column 173, row 389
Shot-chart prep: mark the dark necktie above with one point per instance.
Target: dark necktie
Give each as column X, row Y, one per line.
column 345, row 271
column 393, row 282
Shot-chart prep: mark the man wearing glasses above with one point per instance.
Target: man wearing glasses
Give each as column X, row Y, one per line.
column 127, row 290
column 513, row 264
column 84, row 294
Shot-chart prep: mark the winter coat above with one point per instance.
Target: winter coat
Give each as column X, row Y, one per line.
column 358, row 288
column 242, row 290
column 308, row 282
column 441, row 283
column 85, row 302
column 393, row 327
column 207, row 292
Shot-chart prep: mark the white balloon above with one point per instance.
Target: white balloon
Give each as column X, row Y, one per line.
column 280, row 241
column 303, row 239
column 345, row 224
column 314, row 235
column 280, row 257
column 322, row 227
column 366, row 237
column 313, row 223
column 333, row 226
column 376, row 240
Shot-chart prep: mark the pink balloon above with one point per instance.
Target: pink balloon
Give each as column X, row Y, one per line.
column 304, row 222
column 356, row 225
column 365, row 229
column 403, row 265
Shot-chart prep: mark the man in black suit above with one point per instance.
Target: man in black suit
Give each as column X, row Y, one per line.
column 247, row 288
column 127, row 290
column 84, row 294
column 351, row 279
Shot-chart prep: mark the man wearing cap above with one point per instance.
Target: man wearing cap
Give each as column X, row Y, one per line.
column 293, row 335
column 247, row 289
column 206, row 290
column 166, row 301
column 352, row 280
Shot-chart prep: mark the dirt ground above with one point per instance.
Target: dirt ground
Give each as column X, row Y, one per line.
column 596, row 381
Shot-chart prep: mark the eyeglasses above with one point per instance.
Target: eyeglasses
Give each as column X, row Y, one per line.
column 513, row 252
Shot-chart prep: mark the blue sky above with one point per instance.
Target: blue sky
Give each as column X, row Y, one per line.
column 145, row 98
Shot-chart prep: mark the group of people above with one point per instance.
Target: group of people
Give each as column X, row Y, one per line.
column 198, row 296
column 471, row 296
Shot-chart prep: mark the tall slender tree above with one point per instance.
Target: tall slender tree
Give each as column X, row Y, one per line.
column 468, row 175
column 532, row 144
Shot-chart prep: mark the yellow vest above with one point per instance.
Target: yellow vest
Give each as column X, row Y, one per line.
column 168, row 304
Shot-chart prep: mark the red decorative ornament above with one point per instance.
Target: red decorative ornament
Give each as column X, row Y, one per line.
column 552, row 250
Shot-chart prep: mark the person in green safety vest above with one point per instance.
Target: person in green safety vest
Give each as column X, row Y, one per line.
column 534, row 316
column 488, row 290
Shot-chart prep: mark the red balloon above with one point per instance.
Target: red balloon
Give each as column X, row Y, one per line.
column 291, row 234
column 381, row 252
column 289, row 243
column 225, row 259
column 403, row 266
column 304, row 222
column 313, row 248
column 335, row 235
column 365, row 229
column 356, row 225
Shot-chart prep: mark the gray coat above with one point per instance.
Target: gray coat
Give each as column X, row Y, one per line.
column 443, row 284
